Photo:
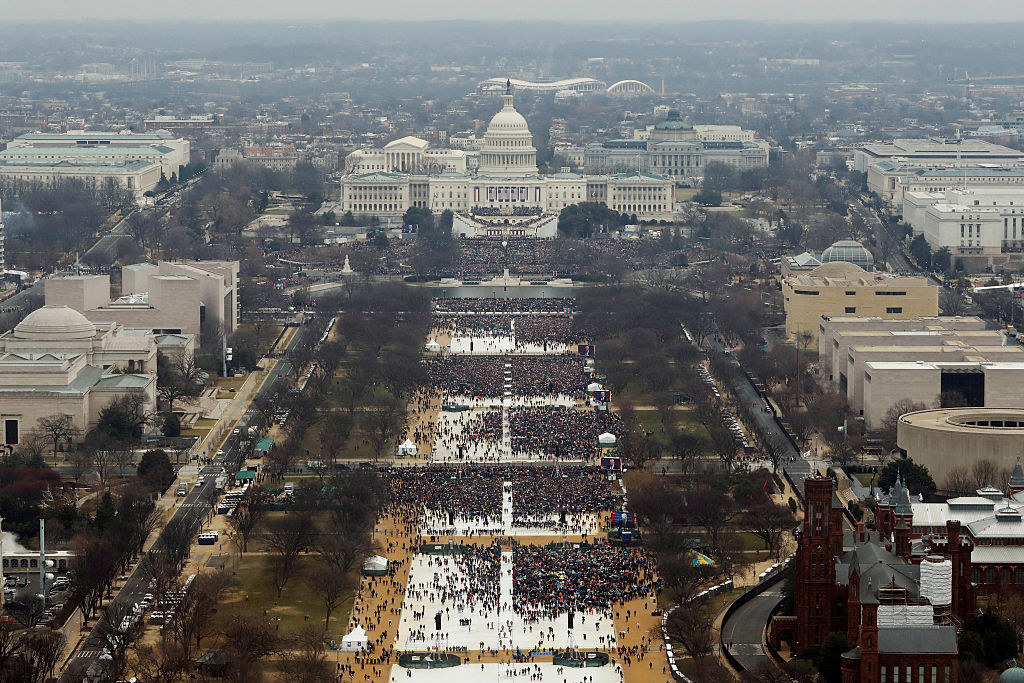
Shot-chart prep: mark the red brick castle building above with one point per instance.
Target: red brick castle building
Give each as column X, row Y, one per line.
column 899, row 605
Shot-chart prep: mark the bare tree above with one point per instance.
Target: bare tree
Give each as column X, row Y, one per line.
column 770, row 522
column 712, row 511
column 959, row 481
column 178, row 377
column 119, row 630
column 10, row 644
column 287, row 537
column 686, row 447
column 384, row 421
column 984, row 473
column 249, row 639
column 123, row 458
column 691, row 625
column 951, row 302
column 33, row 446
column 337, row 427
column 102, row 460
column 774, row 449
column 306, row 657
column 195, row 615
column 81, row 463
column 32, row 614
column 43, row 648
column 162, row 662
column 332, row 584
column 247, row 515
column 58, row 428
column 892, row 418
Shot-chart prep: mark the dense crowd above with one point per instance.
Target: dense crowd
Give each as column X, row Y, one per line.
column 486, row 256
column 573, row 490
column 475, row 491
column 487, row 376
column 536, row 329
column 502, row 211
column 469, row 493
column 567, row 433
column 495, row 305
column 551, row 580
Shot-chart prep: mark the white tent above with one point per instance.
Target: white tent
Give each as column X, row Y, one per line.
column 594, row 386
column 408, row 448
column 355, row 640
column 433, row 346
column 606, row 439
column 375, row 565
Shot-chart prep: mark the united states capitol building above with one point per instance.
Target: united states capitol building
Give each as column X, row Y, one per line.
column 505, row 196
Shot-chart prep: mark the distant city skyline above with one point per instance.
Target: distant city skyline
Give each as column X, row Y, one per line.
column 940, row 11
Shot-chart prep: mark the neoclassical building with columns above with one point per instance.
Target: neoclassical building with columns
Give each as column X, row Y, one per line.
column 505, row 186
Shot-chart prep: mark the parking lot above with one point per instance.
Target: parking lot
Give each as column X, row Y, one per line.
column 20, row 590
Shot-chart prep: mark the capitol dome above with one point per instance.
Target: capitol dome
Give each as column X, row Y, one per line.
column 508, row 120
column 54, row 323
column 849, row 251
column 508, row 150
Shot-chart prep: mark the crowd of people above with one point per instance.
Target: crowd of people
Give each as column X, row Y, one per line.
column 546, row 328
column 463, row 585
column 467, row 493
column 476, row 491
column 571, row 489
column 565, row 433
column 551, row 580
column 484, row 256
column 526, row 375
column 514, row 210
column 497, row 305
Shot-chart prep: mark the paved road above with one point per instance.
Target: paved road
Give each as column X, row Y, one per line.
column 798, row 468
column 742, row 634
column 195, row 505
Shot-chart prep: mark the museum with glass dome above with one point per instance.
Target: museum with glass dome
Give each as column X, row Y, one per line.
column 849, row 251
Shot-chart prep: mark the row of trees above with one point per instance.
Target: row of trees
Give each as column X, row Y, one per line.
column 52, row 220
column 721, row 508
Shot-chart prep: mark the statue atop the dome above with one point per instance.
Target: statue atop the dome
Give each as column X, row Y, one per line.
column 508, row 86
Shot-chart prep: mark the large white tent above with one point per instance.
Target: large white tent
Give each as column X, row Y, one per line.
column 606, row 439
column 375, row 565
column 354, row 640
column 408, row 448
column 594, row 386
column 433, row 346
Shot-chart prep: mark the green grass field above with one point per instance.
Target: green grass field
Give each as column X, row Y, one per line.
column 684, row 419
column 298, row 605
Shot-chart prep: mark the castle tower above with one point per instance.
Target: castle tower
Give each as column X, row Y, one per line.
column 819, row 544
column 1017, row 479
column 964, row 603
column 901, row 538
column 869, row 643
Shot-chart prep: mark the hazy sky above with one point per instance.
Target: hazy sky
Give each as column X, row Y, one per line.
column 996, row 11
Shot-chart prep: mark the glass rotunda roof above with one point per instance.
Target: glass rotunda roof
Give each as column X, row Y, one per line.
column 849, row 251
